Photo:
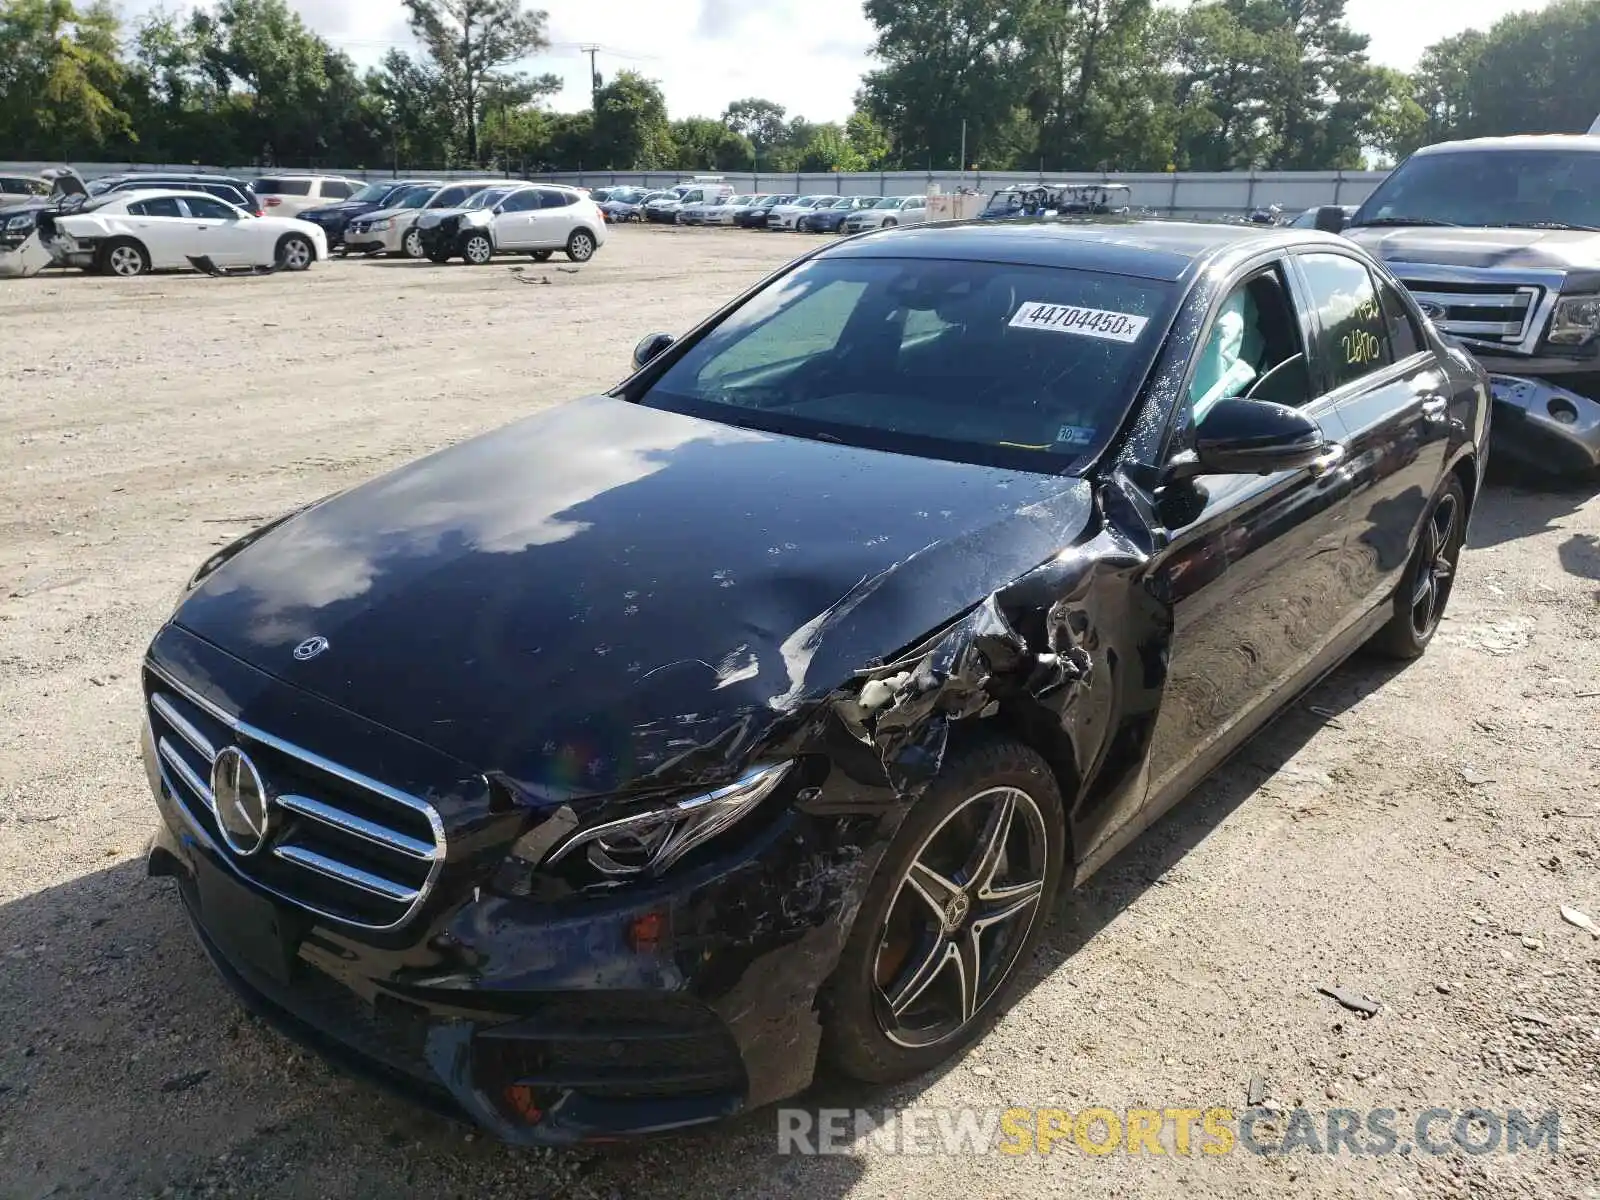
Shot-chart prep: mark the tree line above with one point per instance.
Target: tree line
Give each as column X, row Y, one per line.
column 1017, row 84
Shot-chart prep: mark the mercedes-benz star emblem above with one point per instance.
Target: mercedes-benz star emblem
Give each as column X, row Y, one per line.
column 310, row 648
column 244, row 817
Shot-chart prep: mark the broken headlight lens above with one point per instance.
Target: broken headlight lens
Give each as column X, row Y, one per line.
column 1575, row 321
column 648, row 843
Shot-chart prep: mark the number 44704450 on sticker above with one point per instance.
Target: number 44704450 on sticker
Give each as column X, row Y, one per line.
column 1086, row 322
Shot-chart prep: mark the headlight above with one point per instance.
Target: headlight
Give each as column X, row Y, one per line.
column 647, row 843
column 1575, row 321
column 379, row 226
column 20, row 222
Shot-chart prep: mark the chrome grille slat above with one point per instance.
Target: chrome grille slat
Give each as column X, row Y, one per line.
column 186, row 773
column 356, row 826
column 183, row 727
column 1504, row 309
column 336, row 854
column 344, row 873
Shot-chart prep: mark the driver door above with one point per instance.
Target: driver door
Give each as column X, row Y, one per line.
column 516, row 221
column 220, row 232
column 1252, row 563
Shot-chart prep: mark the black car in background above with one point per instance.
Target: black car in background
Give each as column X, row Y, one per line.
column 379, row 194
column 235, row 191
column 590, row 776
column 755, row 217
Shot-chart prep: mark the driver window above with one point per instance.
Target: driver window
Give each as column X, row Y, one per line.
column 808, row 328
column 1253, row 349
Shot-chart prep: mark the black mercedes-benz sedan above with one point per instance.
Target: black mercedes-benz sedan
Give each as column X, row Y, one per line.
column 598, row 775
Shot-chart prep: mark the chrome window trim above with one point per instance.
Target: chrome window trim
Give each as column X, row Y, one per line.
column 355, row 778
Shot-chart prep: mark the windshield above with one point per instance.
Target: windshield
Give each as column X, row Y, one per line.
column 1517, row 188
column 416, row 198
column 1002, row 202
column 993, row 363
column 487, row 198
column 374, row 192
column 890, row 202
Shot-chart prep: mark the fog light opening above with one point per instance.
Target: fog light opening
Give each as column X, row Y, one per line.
column 524, row 1103
column 1562, row 410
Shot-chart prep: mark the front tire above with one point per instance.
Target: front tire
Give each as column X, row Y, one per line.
column 477, row 249
column 411, row 244
column 580, row 246
column 295, row 253
column 959, row 900
column 123, row 257
column 1424, row 591
column 890, row 223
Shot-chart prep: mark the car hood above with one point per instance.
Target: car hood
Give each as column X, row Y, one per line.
column 582, row 599
column 1526, row 249
column 345, row 208
column 385, row 214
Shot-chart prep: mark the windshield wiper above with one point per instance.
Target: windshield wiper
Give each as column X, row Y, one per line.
column 1402, row 221
column 1550, row 225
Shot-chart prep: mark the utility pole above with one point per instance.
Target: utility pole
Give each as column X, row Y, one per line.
column 594, row 75
column 963, row 150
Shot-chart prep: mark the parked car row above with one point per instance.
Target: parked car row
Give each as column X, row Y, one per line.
column 712, row 203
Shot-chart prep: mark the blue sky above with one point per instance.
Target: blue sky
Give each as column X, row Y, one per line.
column 807, row 55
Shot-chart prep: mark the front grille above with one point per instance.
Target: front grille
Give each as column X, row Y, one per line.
column 1484, row 312
column 345, row 846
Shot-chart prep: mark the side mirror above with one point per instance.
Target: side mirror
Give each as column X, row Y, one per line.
column 1251, row 437
column 1331, row 219
column 650, row 349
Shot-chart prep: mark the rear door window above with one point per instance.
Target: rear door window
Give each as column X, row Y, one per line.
column 336, row 189
column 283, row 187
column 160, row 206
column 550, row 198
column 208, row 209
column 1353, row 335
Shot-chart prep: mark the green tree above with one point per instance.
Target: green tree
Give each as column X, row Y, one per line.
column 414, row 111
column 631, row 130
column 474, row 45
column 61, row 78
column 1444, row 85
column 946, row 62
column 829, row 149
column 708, row 145
column 761, row 121
column 867, row 140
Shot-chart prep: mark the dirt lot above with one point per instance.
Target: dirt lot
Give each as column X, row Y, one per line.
column 1406, row 834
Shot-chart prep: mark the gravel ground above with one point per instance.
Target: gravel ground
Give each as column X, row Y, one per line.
column 1407, row 834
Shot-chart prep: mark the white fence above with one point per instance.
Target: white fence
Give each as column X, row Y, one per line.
column 1175, row 194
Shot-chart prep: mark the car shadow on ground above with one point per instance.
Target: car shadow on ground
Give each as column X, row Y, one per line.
column 1515, row 505
column 115, row 1012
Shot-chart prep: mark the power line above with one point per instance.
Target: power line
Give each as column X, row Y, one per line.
column 594, row 75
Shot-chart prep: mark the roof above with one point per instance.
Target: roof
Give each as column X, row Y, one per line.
column 1522, row 141
column 1166, row 250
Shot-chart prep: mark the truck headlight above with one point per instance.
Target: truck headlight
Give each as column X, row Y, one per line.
column 1575, row 321
column 647, row 843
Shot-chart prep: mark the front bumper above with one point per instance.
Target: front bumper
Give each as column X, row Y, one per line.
column 654, row 1008
column 1541, row 425
column 376, row 241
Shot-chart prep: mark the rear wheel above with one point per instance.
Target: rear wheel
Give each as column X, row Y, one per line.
column 1420, row 600
column 295, row 253
column 958, row 902
column 124, row 257
column 580, row 246
column 477, row 249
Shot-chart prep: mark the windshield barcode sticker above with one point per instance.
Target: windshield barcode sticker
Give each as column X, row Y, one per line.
column 1088, row 322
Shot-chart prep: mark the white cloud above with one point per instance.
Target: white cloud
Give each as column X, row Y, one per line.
column 807, row 55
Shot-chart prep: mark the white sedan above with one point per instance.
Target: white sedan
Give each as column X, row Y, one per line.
column 130, row 233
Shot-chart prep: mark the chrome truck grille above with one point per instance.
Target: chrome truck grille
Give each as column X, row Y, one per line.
column 339, row 844
column 1483, row 306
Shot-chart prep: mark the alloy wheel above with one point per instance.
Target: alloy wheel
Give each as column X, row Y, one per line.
column 413, row 244
column 477, row 250
column 125, row 261
column 1435, row 570
column 580, row 248
column 960, row 915
column 296, row 254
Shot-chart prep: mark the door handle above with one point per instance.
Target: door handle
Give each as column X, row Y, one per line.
column 1327, row 460
column 1433, row 409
